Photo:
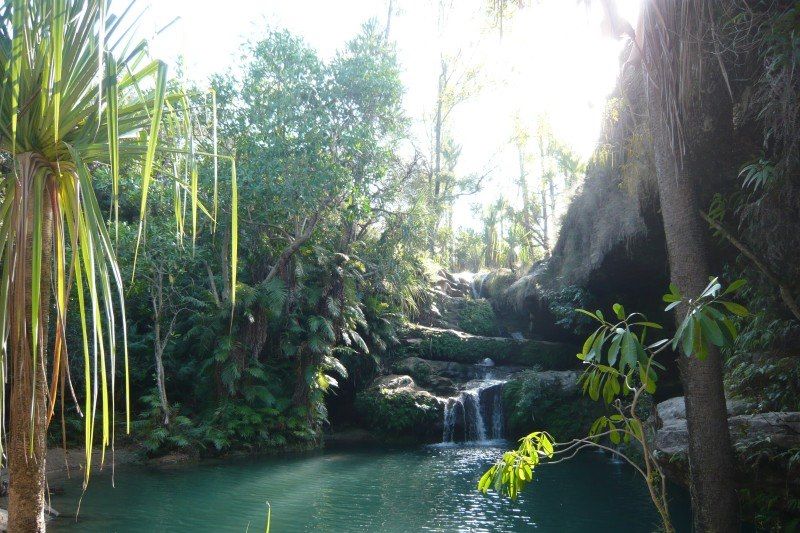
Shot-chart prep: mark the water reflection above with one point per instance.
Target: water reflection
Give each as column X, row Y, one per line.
column 425, row 489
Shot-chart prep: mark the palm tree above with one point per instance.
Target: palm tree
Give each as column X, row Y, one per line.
column 77, row 95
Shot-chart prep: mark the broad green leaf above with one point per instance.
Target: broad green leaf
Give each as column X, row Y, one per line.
column 629, row 351
column 687, row 338
column 589, row 342
column 613, row 350
column 711, row 329
column 735, row 286
column 736, row 309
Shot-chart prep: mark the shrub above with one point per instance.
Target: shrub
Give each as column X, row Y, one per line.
column 477, row 317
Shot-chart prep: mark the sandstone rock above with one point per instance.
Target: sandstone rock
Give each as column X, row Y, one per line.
column 672, row 435
column 760, row 441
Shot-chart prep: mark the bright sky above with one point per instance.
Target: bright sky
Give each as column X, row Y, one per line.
column 551, row 59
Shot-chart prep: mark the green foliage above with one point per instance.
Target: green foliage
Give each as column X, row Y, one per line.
column 621, row 369
column 562, row 305
column 515, row 470
column 329, row 254
column 529, row 399
column 477, row 318
column 761, row 367
column 709, row 323
column 757, row 175
column 401, row 415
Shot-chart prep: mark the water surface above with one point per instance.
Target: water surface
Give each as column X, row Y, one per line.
column 357, row 490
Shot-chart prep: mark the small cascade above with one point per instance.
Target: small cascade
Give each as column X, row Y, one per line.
column 475, row 428
column 477, row 285
column 476, row 414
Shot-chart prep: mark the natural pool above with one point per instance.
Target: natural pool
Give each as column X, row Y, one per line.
column 365, row 490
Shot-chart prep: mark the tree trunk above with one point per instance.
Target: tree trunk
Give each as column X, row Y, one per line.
column 545, row 218
column 437, row 159
column 158, row 349
column 26, row 459
column 527, row 209
column 710, row 454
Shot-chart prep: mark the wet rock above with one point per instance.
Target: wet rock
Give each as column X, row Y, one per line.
column 173, row 459
column 422, row 370
column 350, row 437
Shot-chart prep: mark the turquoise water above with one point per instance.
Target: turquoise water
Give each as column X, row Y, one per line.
column 354, row 490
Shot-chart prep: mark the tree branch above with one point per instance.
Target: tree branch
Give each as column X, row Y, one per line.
column 786, row 294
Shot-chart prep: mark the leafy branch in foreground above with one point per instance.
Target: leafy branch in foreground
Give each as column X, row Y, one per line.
column 621, row 368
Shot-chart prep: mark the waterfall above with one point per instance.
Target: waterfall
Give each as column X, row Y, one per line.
column 477, row 285
column 476, row 414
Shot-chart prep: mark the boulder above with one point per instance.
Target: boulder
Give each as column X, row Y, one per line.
column 395, row 408
column 672, row 436
column 492, row 284
column 764, row 444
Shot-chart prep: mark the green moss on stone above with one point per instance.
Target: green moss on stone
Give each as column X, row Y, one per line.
column 536, row 403
column 496, row 282
column 399, row 415
column 477, row 317
column 448, row 345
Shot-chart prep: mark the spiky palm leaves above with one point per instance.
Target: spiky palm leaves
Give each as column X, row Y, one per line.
column 77, row 94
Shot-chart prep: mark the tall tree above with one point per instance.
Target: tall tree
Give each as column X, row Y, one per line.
column 692, row 127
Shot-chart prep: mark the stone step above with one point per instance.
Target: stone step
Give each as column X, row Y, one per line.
column 453, row 345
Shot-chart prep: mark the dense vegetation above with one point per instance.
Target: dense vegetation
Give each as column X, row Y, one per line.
column 327, row 257
column 280, row 245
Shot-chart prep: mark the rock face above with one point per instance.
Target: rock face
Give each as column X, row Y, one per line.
column 453, row 377
column 780, row 428
column 459, row 312
column 551, row 401
column 763, row 443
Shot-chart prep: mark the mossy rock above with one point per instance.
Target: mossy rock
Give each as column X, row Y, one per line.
column 548, row 401
column 424, row 373
column 493, row 284
column 459, row 347
column 477, row 318
column 395, row 409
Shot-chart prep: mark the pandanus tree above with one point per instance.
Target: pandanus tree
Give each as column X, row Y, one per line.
column 78, row 95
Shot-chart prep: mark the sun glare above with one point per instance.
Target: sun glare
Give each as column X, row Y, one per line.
column 550, row 62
